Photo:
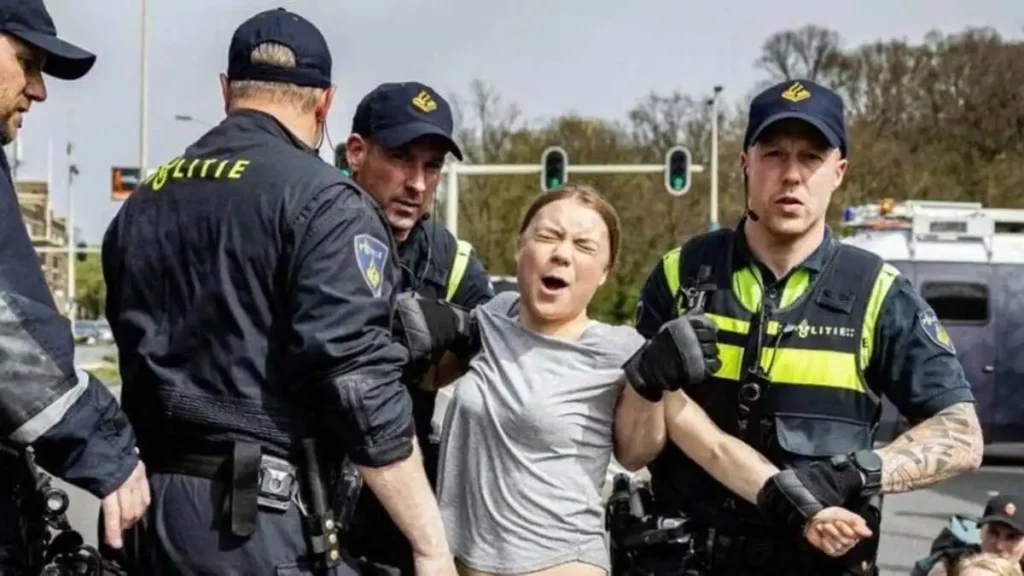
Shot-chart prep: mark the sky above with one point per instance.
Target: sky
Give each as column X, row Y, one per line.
column 591, row 57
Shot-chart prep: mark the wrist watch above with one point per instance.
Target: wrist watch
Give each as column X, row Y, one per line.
column 870, row 465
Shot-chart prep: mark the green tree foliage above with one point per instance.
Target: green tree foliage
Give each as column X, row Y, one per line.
column 940, row 119
column 90, row 290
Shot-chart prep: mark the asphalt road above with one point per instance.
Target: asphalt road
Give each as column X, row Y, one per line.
column 910, row 521
column 89, row 355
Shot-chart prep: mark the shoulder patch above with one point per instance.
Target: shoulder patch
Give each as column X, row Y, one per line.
column 935, row 331
column 371, row 256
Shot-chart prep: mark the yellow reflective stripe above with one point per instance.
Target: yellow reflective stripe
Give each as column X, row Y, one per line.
column 883, row 283
column 732, row 360
column 802, row 367
column 797, row 367
column 462, row 251
column 726, row 324
column 670, row 265
column 746, row 285
column 798, row 283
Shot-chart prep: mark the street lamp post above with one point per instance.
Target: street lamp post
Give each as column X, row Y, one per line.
column 143, row 95
column 713, row 102
column 69, row 235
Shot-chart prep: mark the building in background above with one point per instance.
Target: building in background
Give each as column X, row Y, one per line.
column 47, row 232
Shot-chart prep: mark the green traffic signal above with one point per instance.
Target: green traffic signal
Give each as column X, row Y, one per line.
column 677, row 170
column 554, row 168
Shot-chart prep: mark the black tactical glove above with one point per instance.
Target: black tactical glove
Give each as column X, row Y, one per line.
column 787, row 503
column 683, row 352
column 429, row 328
column 791, row 497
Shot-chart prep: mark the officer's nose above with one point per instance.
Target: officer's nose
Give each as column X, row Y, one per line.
column 791, row 173
column 416, row 180
column 35, row 87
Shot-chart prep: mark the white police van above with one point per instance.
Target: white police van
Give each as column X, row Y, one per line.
column 968, row 263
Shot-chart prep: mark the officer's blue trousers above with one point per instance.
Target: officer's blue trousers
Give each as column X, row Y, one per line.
column 186, row 532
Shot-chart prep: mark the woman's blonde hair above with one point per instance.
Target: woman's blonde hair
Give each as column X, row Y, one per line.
column 994, row 563
column 589, row 197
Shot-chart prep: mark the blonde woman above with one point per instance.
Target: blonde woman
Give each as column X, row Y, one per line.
column 534, row 422
column 988, row 564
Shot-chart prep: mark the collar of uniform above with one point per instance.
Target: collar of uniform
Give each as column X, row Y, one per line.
column 413, row 248
column 271, row 125
column 742, row 256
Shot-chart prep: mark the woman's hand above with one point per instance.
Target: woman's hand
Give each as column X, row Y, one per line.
column 836, row 530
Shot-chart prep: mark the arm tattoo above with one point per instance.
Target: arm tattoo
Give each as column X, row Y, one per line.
column 937, row 449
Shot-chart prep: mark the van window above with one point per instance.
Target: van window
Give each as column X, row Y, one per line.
column 957, row 301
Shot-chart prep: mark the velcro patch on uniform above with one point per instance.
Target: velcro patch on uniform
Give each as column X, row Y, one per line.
column 935, row 331
column 371, row 256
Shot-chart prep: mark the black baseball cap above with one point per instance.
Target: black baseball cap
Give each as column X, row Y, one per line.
column 801, row 100
column 312, row 56
column 397, row 113
column 1004, row 509
column 30, row 22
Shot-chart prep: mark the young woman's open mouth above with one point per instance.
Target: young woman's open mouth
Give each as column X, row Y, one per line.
column 553, row 283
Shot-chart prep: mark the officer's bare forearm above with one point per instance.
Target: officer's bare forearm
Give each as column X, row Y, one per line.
column 726, row 458
column 639, row 429
column 943, row 446
column 403, row 489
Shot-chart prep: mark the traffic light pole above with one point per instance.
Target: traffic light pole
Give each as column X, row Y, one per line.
column 454, row 170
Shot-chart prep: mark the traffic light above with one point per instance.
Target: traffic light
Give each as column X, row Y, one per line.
column 677, row 170
column 340, row 160
column 555, row 168
column 80, row 254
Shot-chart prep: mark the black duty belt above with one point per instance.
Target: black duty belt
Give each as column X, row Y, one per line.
column 260, row 481
column 256, row 480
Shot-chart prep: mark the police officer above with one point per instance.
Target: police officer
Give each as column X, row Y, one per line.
column 811, row 334
column 66, row 415
column 250, row 289
column 401, row 133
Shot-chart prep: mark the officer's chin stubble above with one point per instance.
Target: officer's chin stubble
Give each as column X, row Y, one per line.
column 14, row 85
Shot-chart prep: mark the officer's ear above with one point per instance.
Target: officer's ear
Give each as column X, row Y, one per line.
column 744, row 162
column 841, row 166
column 225, row 91
column 323, row 106
column 356, row 149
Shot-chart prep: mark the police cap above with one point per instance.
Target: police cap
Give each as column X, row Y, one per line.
column 395, row 114
column 312, row 56
column 30, row 22
column 801, row 100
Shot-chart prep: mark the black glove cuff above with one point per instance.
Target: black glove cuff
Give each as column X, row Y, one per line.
column 637, row 376
column 786, row 503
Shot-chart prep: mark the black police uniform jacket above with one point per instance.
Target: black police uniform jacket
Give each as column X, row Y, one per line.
column 69, row 417
column 250, row 289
